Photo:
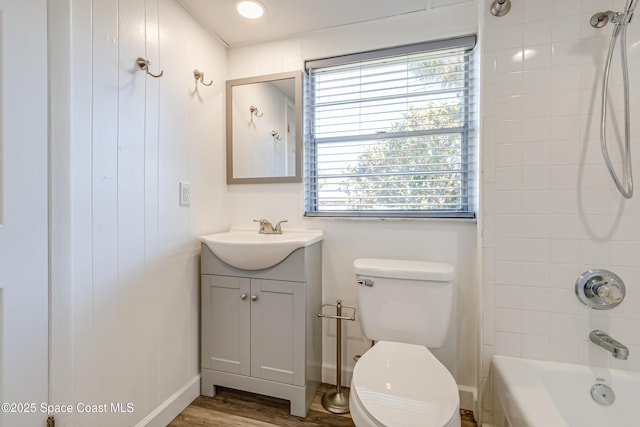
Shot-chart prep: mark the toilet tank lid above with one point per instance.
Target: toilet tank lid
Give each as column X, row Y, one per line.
column 404, row 269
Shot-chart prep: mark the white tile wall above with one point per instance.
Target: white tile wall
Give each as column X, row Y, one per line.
column 550, row 209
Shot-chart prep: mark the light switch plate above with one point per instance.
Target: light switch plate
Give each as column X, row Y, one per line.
column 185, row 193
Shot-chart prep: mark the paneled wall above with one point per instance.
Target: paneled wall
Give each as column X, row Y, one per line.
column 125, row 303
column 453, row 242
column 550, row 208
column 23, row 210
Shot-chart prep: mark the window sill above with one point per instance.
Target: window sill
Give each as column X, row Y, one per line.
column 472, row 218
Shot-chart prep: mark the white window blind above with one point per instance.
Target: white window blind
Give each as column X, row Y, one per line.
column 390, row 132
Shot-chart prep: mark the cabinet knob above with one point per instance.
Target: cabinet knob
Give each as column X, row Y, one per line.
column 254, row 297
column 243, row 297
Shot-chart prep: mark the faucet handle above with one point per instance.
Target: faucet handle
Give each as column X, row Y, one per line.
column 278, row 227
column 610, row 293
column 265, row 225
column 600, row 289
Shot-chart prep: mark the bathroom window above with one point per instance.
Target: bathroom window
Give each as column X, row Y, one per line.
column 390, row 132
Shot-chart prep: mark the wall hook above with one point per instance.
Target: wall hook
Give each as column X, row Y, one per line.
column 255, row 112
column 199, row 76
column 144, row 65
column 276, row 136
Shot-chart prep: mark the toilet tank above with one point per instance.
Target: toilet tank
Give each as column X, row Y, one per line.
column 404, row 301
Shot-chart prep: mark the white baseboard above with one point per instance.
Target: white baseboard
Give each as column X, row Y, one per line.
column 468, row 397
column 170, row 408
column 329, row 374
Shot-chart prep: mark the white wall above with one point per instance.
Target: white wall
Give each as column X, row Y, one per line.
column 125, row 301
column 345, row 240
column 550, row 209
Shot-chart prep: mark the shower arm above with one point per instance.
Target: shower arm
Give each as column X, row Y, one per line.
column 500, row 7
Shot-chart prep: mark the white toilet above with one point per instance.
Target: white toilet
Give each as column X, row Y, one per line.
column 405, row 306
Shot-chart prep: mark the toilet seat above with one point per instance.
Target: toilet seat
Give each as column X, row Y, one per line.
column 398, row 384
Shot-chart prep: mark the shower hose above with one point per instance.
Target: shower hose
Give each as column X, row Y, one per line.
column 626, row 186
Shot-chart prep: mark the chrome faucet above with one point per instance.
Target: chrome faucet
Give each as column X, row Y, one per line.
column 267, row 228
column 619, row 350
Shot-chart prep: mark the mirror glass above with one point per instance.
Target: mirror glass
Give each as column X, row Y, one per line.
column 264, row 122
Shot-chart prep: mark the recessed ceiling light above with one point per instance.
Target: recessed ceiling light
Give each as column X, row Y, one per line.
column 251, row 9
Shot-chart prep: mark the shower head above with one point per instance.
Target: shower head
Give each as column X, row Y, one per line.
column 500, row 7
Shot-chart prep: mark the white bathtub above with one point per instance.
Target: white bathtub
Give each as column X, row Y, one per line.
column 534, row 393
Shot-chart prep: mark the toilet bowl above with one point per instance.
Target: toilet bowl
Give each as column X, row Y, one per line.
column 403, row 385
column 405, row 306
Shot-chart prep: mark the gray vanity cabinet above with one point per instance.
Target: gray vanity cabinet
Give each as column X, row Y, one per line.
column 263, row 333
column 260, row 332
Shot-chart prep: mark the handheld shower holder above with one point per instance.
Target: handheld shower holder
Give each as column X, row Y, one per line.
column 600, row 19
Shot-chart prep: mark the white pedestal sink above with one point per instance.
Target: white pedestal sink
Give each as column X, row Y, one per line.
column 249, row 250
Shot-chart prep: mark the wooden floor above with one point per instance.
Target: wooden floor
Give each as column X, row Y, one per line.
column 235, row 408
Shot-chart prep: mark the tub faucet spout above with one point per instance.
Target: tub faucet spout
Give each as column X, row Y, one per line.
column 619, row 350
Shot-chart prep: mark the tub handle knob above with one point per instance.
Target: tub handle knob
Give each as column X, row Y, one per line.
column 610, row 294
column 600, row 289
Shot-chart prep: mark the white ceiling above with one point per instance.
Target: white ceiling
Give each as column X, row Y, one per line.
column 288, row 17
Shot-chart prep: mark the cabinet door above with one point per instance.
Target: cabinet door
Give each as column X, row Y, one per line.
column 277, row 331
column 226, row 324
